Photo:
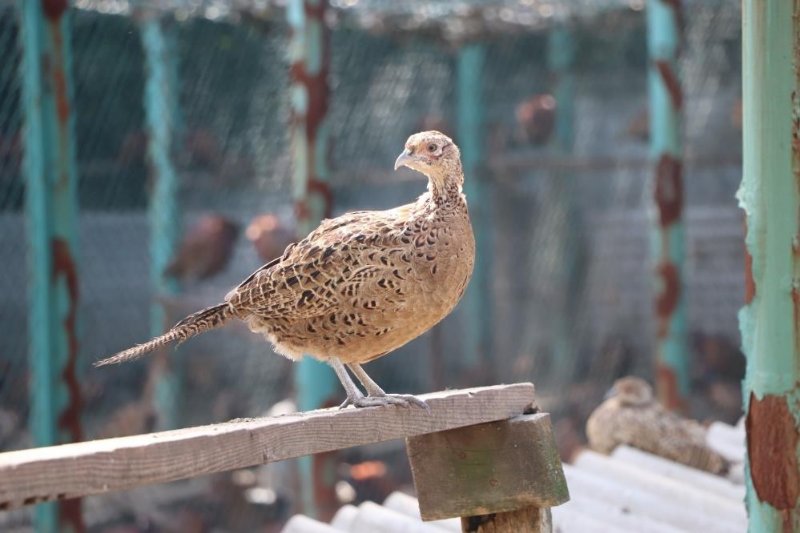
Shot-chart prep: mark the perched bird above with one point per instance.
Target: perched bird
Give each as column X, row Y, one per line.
column 269, row 236
column 536, row 119
column 205, row 250
column 631, row 415
column 360, row 285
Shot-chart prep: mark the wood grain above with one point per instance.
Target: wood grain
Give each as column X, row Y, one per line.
column 489, row 468
column 72, row 470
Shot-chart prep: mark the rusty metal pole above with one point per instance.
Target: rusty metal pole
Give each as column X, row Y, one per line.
column 770, row 319
column 666, row 100
column 309, row 53
column 51, row 203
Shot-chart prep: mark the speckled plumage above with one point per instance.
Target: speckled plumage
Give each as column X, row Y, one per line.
column 632, row 416
column 362, row 284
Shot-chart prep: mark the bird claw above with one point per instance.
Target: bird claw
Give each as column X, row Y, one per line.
column 403, row 400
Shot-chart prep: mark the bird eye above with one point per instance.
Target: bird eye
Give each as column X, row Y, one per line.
column 431, row 147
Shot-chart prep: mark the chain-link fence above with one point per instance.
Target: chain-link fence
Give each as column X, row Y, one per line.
column 393, row 73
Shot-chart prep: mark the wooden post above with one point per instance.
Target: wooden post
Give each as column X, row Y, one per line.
column 770, row 319
column 498, row 477
column 161, row 104
column 470, row 136
column 309, row 55
column 52, row 230
column 666, row 101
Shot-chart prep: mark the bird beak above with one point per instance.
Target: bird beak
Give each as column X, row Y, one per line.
column 403, row 159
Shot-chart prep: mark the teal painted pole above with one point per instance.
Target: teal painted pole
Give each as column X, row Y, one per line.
column 561, row 59
column 667, row 229
column 51, row 203
column 770, row 319
column 162, row 121
column 309, row 55
column 470, row 137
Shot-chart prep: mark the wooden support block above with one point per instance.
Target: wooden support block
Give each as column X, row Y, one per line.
column 500, row 476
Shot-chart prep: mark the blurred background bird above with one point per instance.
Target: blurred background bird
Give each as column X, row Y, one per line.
column 205, row 250
column 631, row 415
column 270, row 235
column 536, row 119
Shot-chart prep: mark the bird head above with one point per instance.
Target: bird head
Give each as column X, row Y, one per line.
column 631, row 390
column 435, row 155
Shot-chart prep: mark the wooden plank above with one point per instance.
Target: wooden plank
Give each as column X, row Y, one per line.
column 487, row 469
column 71, row 470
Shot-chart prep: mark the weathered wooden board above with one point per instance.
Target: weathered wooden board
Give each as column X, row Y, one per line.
column 71, row 470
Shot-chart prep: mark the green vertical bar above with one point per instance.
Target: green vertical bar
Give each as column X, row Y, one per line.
column 561, row 59
column 162, row 105
column 309, row 55
column 470, row 110
column 52, row 229
column 667, row 227
column 770, row 320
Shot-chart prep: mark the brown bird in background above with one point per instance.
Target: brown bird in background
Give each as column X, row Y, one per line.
column 360, row 285
column 205, row 250
column 632, row 416
column 269, row 236
column 536, row 119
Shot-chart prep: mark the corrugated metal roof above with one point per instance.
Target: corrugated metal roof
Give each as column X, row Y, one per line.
column 629, row 490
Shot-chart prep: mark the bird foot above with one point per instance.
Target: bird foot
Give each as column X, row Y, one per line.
column 403, row 400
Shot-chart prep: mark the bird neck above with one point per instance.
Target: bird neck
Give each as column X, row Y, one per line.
column 446, row 189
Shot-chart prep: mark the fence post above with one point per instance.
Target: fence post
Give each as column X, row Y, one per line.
column 51, row 202
column 162, row 122
column 667, row 227
column 309, row 55
column 470, row 136
column 770, row 319
column 561, row 58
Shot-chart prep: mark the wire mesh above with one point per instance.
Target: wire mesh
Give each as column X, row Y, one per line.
column 393, row 72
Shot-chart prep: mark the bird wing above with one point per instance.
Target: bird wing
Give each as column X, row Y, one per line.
column 332, row 264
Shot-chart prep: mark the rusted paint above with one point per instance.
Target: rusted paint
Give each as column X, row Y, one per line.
column 749, row 282
column 671, row 82
column 667, row 387
column 772, row 438
column 669, row 189
column 54, row 9
column 64, row 268
column 667, row 298
column 318, row 92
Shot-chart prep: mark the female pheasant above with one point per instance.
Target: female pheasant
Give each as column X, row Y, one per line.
column 360, row 285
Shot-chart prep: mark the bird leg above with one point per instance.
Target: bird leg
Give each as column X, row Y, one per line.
column 377, row 396
column 353, row 394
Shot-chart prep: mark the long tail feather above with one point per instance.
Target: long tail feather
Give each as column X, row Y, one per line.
column 210, row 318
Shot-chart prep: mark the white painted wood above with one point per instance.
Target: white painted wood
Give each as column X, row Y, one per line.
column 672, row 470
column 409, row 506
column 606, row 488
column 303, row 524
column 678, row 492
column 374, row 518
column 344, row 517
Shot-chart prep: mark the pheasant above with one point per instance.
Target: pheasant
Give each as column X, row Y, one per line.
column 360, row 285
column 631, row 415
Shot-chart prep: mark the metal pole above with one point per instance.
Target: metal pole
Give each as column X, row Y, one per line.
column 561, row 58
column 162, row 119
column 470, row 136
column 52, row 230
column 667, row 230
column 770, row 320
column 309, row 54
